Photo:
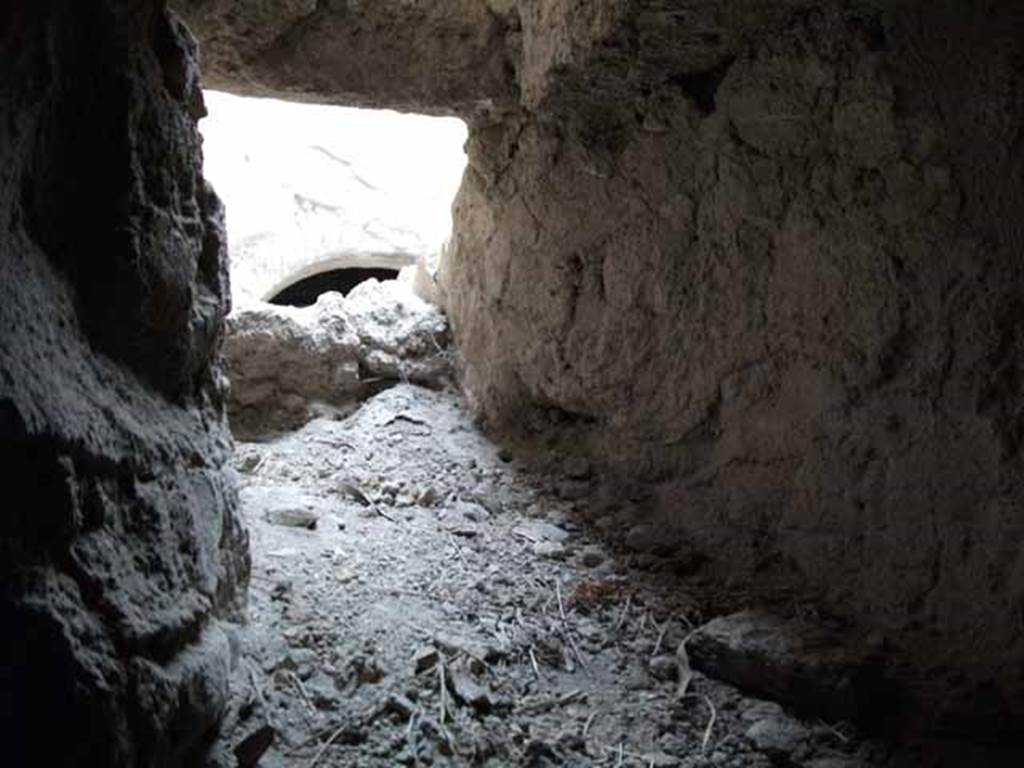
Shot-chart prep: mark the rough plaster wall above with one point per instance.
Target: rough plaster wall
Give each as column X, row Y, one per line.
column 781, row 280
column 119, row 544
column 429, row 56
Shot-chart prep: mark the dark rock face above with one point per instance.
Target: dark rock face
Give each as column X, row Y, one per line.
column 819, row 673
column 119, row 544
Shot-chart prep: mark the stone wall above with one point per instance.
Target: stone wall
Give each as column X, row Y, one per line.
column 119, row 545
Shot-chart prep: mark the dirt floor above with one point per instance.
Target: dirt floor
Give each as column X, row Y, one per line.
column 421, row 597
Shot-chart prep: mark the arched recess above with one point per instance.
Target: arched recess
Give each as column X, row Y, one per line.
column 305, row 291
column 271, row 284
column 310, row 188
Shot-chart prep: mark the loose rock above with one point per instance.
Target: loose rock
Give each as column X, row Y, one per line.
column 665, row 667
column 467, row 690
column 292, row 517
column 425, row 658
column 550, row 549
column 541, row 531
column 777, row 736
column 795, row 662
column 251, row 748
column 591, row 556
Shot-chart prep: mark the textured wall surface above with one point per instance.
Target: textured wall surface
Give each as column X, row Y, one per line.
column 428, row 56
column 772, row 261
column 119, row 545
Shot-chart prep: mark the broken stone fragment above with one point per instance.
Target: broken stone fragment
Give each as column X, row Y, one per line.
column 552, row 550
column 463, row 530
column 660, row 760
column 471, row 511
column 462, row 517
column 777, row 737
column 426, row 657
column 282, row 360
column 281, row 589
column 552, row 652
column 452, row 644
column 250, row 749
column 248, row 462
column 795, row 662
column 352, row 734
column 488, row 497
column 664, row 667
column 297, row 660
column 323, row 691
column 467, row 690
column 542, row 754
column 592, row 556
column 463, row 514
column 291, row 517
column 427, row 497
column 761, row 710
column 399, row 705
column 540, row 531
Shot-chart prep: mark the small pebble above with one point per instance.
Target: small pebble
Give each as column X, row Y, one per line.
column 425, row 658
column 549, row 549
column 591, row 556
column 664, row 667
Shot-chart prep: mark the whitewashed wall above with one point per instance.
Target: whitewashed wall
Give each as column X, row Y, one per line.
column 309, row 188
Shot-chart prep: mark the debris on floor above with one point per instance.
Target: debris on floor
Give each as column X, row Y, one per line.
column 795, row 661
column 287, row 362
column 450, row 608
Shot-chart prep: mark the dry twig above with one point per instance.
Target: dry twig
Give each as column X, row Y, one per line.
column 575, row 649
column 661, row 637
column 255, row 686
column 586, row 725
column 834, row 729
column 685, row 671
column 533, row 661
column 625, row 612
column 558, row 594
column 360, row 495
column 301, row 688
column 440, row 673
column 711, row 724
column 410, row 735
column 458, row 551
column 323, row 747
column 643, row 622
